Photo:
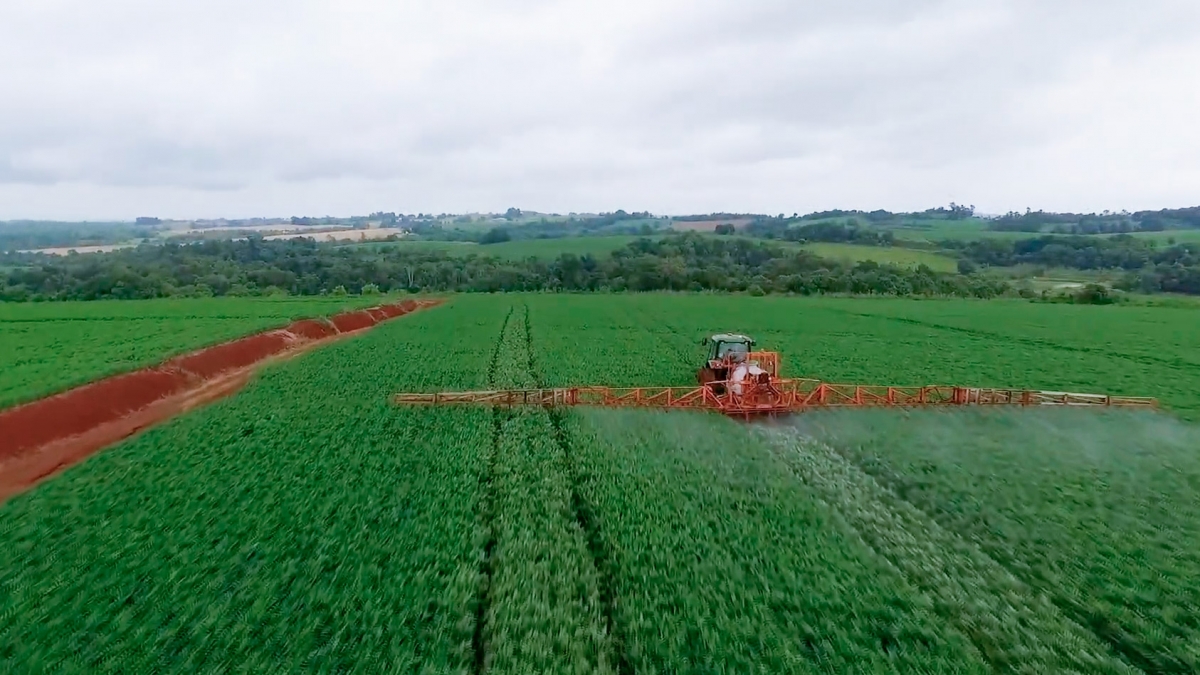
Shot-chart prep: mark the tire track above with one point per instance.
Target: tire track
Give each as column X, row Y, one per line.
column 585, row 516
column 1100, row 626
column 1011, row 625
column 487, row 516
column 675, row 342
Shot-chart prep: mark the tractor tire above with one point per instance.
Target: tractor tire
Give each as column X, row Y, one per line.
column 706, row 376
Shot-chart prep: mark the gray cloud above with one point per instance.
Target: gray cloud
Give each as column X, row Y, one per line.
column 229, row 108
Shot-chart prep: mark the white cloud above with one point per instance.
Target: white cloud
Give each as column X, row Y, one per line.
column 212, row 108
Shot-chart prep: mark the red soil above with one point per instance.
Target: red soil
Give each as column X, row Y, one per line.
column 208, row 363
column 73, row 412
column 39, row 438
column 392, row 311
column 313, row 329
column 353, row 321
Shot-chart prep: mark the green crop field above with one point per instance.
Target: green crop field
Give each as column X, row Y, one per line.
column 885, row 255
column 941, row 230
column 552, row 248
column 1169, row 237
column 307, row 525
column 452, row 247
column 48, row 347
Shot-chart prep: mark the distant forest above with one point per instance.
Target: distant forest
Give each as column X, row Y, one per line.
column 684, row 262
column 750, row 262
column 16, row 235
column 1148, row 268
column 1103, row 223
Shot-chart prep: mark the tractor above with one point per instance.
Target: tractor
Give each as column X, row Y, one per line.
column 731, row 360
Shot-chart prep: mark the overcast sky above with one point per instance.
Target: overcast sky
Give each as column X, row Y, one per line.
column 236, row 108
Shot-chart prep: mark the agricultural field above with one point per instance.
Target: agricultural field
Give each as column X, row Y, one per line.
column 308, row 525
column 1169, row 237
column 521, row 249
column 48, row 347
column 892, row 255
column 552, row 248
column 934, row 231
column 451, row 247
column 1107, row 526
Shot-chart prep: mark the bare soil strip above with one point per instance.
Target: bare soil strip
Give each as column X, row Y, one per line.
column 41, row 438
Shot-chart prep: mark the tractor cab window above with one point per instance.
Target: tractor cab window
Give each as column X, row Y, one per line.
column 739, row 350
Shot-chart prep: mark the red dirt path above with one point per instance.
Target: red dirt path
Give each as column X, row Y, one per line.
column 39, row 438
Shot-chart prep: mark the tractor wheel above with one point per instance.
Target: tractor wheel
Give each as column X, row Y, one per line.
column 706, row 376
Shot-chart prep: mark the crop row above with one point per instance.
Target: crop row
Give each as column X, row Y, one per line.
column 304, row 525
column 544, row 613
column 719, row 560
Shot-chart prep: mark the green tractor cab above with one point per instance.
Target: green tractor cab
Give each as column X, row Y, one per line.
column 725, row 350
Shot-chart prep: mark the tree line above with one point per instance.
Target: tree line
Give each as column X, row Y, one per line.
column 30, row 234
column 849, row 231
column 685, row 262
column 1098, row 223
column 1078, row 252
column 1149, row 269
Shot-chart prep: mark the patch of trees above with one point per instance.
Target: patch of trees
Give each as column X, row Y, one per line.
column 30, row 234
column 1163, row 278
column 849, row 231
column 495, row 235
column 705, row 217
column 687, row 262
column 1102, row 223
column 616, row 223
column 1078, row 252
column 879, row 216
column 1149, row 269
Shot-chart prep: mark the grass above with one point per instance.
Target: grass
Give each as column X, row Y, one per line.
column 49, row 347
column 307, row 525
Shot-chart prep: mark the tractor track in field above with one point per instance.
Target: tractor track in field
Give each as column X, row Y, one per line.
column 585, row 516
column 1008, row 622
column 487, row 513
column 676, row 339
column 1096, row 624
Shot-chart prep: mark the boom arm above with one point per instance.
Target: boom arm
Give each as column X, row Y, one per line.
column 778, row 396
